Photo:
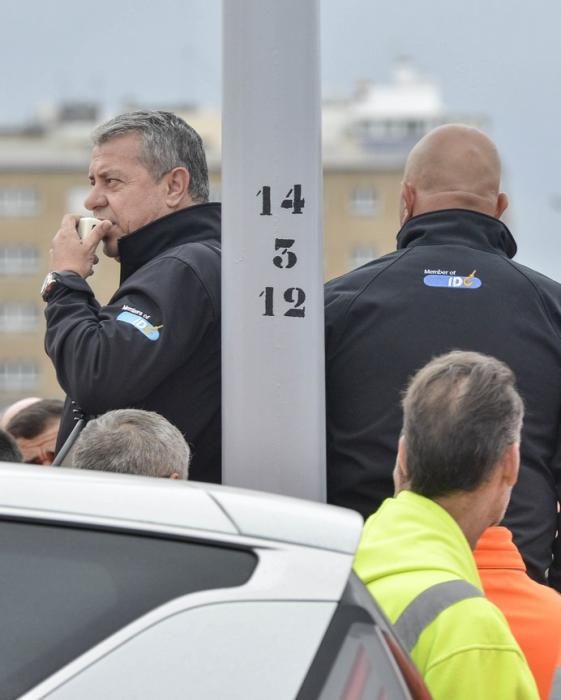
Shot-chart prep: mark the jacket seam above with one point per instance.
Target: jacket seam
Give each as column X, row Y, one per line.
column 367, row 285
column 539, row 294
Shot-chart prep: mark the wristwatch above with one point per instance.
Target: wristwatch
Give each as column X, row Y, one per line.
column 51, row 281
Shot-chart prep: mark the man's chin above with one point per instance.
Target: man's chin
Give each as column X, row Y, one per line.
column 110, row 250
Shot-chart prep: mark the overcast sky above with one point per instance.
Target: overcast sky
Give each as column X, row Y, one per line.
column 501, row 59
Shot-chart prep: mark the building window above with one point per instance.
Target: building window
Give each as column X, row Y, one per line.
column 18, row 375
column 75, row 198
column 362, row 254
column 19, row 260
column 18, row 317
column 364, row 202
column 19, row 201
column 389, row 132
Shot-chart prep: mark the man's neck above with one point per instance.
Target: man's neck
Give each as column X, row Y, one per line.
column 470, row 512
column 438, row 201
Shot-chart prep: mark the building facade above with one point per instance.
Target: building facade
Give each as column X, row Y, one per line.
column 43, row 174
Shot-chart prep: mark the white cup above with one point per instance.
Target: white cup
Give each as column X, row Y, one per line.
column 86, row 224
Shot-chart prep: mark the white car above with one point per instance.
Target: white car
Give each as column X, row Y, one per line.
column 131, row 588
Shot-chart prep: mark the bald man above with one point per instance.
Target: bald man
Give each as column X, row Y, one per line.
column 451, row 284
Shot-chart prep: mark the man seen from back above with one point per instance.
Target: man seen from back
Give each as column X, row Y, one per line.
column 451, row 284
column 458, row 460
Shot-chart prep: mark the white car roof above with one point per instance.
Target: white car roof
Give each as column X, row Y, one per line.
column 64, row 493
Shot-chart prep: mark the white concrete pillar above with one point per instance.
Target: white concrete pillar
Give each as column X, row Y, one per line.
column 272, row 282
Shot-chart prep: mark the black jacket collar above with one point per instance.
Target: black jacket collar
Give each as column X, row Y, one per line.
column 200, row 222
column 450, row 226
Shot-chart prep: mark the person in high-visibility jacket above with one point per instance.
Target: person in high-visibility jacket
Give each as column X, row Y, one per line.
column 458, row 459
column 532, row 610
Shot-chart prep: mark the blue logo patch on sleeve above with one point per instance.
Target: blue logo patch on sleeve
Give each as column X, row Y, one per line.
column 146, row 328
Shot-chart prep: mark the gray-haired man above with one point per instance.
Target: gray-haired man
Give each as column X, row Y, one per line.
column 457, row 462
column 156, row 345
column 130, row 441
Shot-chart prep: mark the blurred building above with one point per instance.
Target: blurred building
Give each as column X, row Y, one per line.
column 43, row 174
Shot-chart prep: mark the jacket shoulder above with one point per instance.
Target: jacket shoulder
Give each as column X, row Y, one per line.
column 196, row 253
column 349, row 286
column 341, row 293
column 203, row 257
column 541, row 281
column 547, row 290
column 194, row 266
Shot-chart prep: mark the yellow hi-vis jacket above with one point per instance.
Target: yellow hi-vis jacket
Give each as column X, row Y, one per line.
column 417, row 563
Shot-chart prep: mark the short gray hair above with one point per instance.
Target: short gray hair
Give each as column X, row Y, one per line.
column 131, row 441
column 460, row 413
column 167, row 142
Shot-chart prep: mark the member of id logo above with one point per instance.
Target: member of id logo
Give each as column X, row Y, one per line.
column 147, row 329
column 453, row 281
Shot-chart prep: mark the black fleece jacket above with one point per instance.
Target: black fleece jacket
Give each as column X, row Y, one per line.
column 156, row 345
column 451, row 284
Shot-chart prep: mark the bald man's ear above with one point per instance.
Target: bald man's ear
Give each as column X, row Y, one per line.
column 406, row 202
column 502, row 204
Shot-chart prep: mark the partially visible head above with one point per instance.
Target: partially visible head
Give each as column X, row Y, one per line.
column 8, row 449
column 462, row 419
column 13, row 408
column 131, row 441
column 35, row 429
column 453, row 166
column 145, row 165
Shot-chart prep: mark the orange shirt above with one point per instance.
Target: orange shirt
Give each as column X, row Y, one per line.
column 533, row 611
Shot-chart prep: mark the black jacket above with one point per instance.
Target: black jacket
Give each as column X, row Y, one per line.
column 156, row 345
column 390, row 317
